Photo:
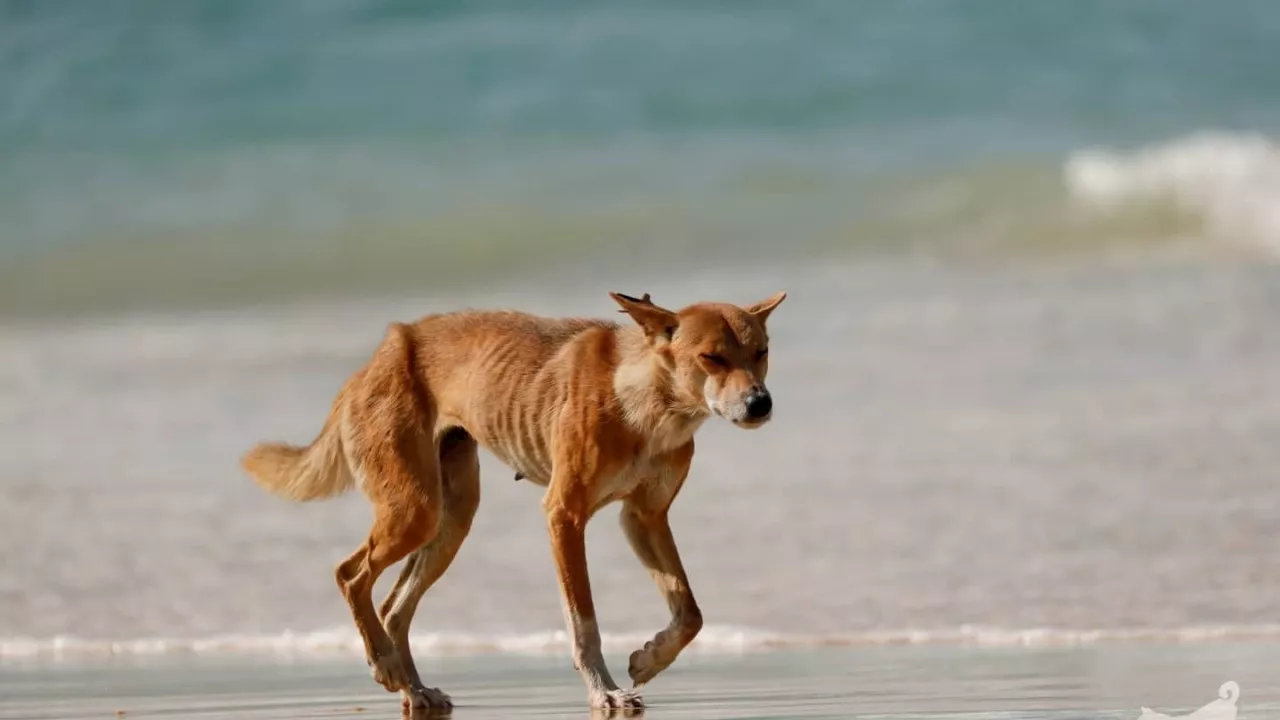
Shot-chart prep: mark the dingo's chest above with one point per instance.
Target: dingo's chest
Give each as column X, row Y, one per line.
column 623, row 482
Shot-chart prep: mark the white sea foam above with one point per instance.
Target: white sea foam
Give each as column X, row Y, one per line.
column 1229, row 181
column 713, row 640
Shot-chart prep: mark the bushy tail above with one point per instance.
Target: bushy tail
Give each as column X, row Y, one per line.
column 302, row 473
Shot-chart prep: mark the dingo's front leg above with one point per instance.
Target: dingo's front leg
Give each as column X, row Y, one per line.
column 567, row 515
column 650, row 537
column 644, row 518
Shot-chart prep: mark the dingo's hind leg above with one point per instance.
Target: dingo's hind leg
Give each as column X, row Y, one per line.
column 387, row 434
column 460, row 473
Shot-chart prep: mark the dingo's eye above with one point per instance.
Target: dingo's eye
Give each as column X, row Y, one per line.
column 762, row 354
column 716, row 360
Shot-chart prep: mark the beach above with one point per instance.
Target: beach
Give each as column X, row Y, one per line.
column 1107, row 681
column 1127, row 573
column 1068, row 449
column 1026, row 381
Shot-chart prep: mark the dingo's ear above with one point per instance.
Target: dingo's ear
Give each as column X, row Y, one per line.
column 658, row 322
column 762, row 309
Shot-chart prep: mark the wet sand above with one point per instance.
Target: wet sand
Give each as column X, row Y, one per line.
column 1108, row 680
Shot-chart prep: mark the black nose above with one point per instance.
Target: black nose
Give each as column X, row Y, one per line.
column 759, row 404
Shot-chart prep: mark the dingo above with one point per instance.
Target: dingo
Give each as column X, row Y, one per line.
column 593, row 411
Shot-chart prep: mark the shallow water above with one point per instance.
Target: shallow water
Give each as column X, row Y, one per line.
column 1113, row 681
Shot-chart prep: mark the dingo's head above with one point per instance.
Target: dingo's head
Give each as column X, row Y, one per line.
column 717, row 354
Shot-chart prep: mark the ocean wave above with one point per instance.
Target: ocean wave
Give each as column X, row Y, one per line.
column 1196, row 189
column 1228, row 181
column 712, row 640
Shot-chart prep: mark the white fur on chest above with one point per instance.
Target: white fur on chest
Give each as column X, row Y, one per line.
column 672, row 432
column 644, row 468
column 623, row 482
column 669, row 433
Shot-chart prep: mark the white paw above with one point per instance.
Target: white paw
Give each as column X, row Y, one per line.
column 616, row 700
column 426, row 698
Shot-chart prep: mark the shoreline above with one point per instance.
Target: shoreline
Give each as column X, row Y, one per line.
column 898, row 681
column 715, row 641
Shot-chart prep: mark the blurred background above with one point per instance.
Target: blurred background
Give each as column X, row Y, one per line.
column 1027, row 378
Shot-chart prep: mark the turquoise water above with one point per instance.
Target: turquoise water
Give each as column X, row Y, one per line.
column 195, row 153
